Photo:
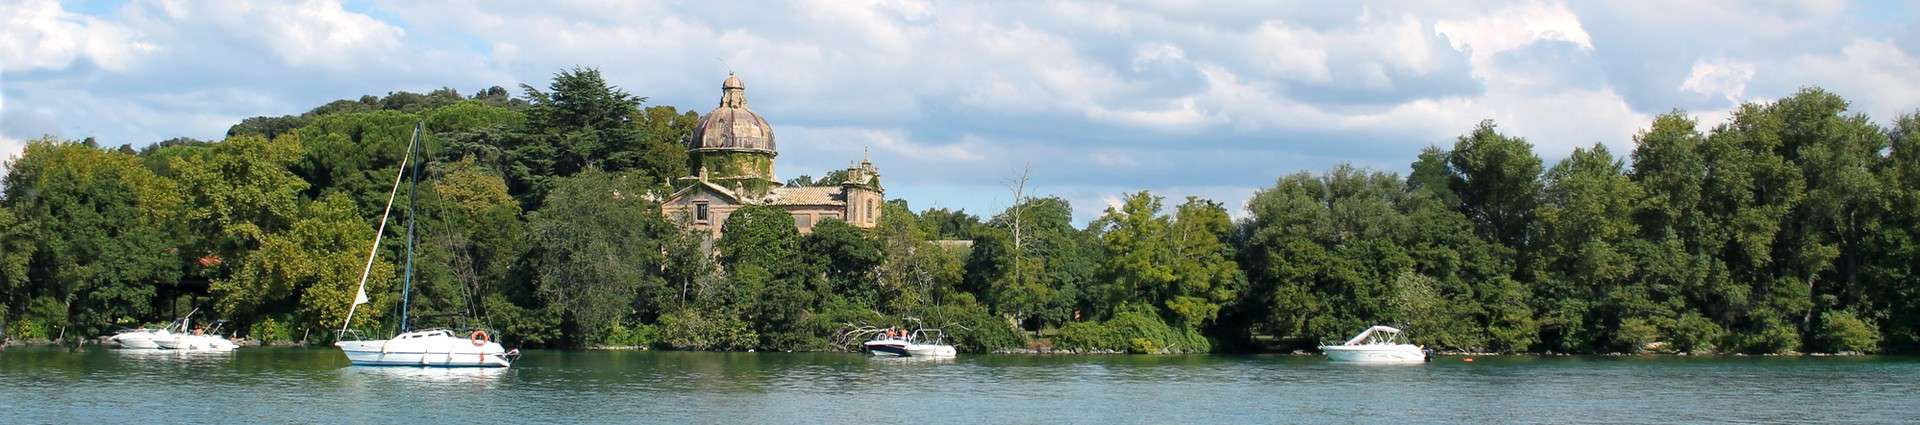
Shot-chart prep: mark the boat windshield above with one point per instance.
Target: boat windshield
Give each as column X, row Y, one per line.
column 1377, row 335
column 928, row 336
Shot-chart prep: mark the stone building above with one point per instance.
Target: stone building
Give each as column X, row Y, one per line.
column 731, row 156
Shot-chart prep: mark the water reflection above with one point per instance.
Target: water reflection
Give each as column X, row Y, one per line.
column 274, row 385
column 470, row 377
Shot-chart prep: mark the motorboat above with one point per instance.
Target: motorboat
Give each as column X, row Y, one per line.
column 919, row 343
column 143, row 338
column 140, row 338
column 432, row 347
column 196, row 340
column 1379, row 345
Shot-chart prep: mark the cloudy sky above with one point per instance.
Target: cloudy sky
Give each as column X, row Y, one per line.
column 1211, row 98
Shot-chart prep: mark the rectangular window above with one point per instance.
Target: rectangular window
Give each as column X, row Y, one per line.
column 700, row 212
column 803, row 221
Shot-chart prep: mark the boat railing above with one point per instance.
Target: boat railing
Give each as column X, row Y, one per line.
column 353, row 335
column 928, row 336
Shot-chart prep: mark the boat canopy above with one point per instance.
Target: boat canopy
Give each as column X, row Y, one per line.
column 1376, row 335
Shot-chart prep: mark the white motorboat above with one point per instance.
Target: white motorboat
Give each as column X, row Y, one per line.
column 140, row 338
column 143, row 338
column 1378, row 344
column 433, row 347
column 920, row 343
column 196, row 340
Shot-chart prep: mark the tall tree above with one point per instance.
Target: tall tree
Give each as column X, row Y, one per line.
column 1497, row 178
column 600, row 246
column 312, row 269
column 103, row 230
column 1586, row 228
column 757, row 246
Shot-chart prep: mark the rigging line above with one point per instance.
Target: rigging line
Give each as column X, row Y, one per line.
column 382, row 231
column 413, row 198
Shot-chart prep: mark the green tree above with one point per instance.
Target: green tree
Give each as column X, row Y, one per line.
column 758, row 245
column 1585, row 229
column 102, row 228
column 848, row 256
column 312, row 268
column 1497, row 179
column 472, row 231
column 600, row 247
column 1179, row 264
column 581, row 122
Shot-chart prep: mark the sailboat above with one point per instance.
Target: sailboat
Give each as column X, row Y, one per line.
column 430, row 347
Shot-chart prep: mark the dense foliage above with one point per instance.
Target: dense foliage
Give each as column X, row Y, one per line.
column 1795, row 226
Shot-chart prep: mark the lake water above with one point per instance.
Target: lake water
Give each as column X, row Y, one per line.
column 299, row 385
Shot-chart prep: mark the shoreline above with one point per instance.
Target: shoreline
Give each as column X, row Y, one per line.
column 1047, row 352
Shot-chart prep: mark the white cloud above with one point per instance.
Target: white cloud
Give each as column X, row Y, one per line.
column 1725, row 78
column 1291, row 52
column 306, row 33
column 853, row 141
column 39, row 34
column 1102, row 98
column 1876, row 75
column 1511, row 28
column 9, row 149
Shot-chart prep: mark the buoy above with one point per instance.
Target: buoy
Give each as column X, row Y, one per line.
column 1468, row 360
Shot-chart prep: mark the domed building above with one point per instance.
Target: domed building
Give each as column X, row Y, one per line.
column 731, row 157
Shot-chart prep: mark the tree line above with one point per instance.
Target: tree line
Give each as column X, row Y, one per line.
column 1791, row 227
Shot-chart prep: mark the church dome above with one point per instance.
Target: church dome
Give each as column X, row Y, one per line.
column 731, row 126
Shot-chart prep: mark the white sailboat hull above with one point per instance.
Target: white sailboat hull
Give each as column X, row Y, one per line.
column 433, row 350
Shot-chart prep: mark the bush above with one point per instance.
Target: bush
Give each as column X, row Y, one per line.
column 1133, row 330
column 688, row 329
column 269, row 330
column 972, row 329
column 1635, row 334
column 526, row 325
column 41, row 320
column 1693, row 333
column 637, row 335
column 1841, row 331
column 1086, row 336
column 26, row 329
column 1770, row 337
column 834, row 319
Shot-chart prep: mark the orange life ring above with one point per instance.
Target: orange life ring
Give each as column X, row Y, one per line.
column 479, row 338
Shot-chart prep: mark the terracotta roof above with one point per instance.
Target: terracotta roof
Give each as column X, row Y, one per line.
column 807, row 196
column 703, row 184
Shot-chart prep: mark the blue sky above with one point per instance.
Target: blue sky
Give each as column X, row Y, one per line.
column 1181, row 97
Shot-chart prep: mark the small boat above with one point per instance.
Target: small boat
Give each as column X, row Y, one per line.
column 141, row 339
column 196, row 340
column 431, row 347
column 921, row 343
column 1378, row 344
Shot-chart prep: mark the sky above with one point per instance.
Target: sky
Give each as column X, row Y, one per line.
column 1215, row 99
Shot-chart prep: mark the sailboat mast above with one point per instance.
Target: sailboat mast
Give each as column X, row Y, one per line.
column 360, row 295
column 413, row 198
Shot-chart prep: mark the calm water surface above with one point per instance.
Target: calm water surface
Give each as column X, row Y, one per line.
column 262, row 385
